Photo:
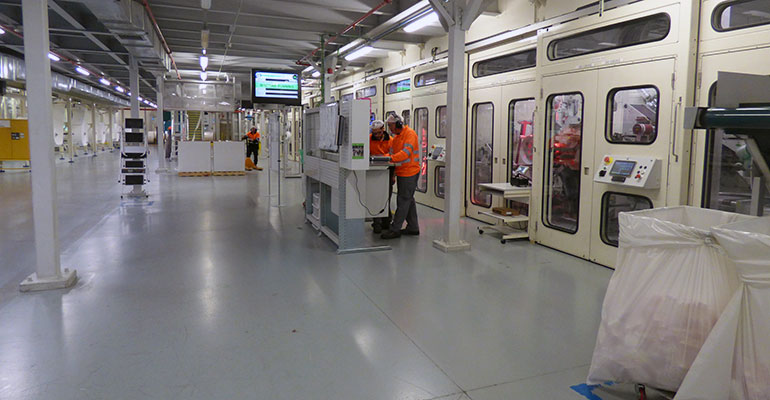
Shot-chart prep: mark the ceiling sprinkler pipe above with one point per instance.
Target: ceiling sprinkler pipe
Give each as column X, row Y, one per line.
column 160, row 34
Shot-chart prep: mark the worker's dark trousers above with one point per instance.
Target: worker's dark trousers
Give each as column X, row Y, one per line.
column 406, row 208
column 253, row 148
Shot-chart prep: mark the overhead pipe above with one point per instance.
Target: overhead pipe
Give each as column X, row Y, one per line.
column 355, row 23
column 160, row 35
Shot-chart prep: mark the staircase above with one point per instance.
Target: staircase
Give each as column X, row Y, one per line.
column 194, row 125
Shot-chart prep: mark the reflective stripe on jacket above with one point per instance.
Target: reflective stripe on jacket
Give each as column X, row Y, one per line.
column 405, row 152
column 253, row 137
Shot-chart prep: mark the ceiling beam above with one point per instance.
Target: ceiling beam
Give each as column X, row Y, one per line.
column 170, row 10
column 75, row 23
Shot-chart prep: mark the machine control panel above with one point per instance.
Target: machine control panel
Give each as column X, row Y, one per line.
column 437, row 153
column 639, row 172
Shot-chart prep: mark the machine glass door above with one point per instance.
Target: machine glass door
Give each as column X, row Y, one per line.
column 564, row 205
column 634, row 124
column 421, row 127
column 730, row 177
column 482, row 142
column 482, row 151
column 424, row 117
column 521, row 134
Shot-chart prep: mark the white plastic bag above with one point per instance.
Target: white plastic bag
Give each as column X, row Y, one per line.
column 671, row 283
column 734, row 363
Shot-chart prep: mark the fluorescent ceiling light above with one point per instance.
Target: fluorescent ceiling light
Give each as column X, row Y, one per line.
column 359, row 53
column 2, row 31
column 204, row 75
column 350, row 45
column 140, row 98
column 421, row 23
column 204, row 61
column 104, row 82
column 82, row 71
column 53, row 57
column 120, row 89
column 316, row 74
column 308, row 69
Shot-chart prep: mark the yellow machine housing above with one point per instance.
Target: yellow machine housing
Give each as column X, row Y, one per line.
column 14, row 140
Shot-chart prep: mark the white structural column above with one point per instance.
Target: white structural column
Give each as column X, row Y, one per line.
column 48, row 273
column 92, row 140
column 159, row 123
column 456, row 17
column 133, row 77
column 108, row 139
column 70, row 134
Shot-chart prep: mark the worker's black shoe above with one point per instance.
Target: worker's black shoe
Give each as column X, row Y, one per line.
column 390, row 234
column 377, row 228
column 410, row 232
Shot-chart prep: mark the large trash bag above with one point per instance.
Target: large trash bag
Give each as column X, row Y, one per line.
column 671, row 283
column 734, row 363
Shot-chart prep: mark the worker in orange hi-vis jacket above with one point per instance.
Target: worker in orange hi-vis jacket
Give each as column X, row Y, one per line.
column 405, row 155
column 252, row 144
column 379, row 145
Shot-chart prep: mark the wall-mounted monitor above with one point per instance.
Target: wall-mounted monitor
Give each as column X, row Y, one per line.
column 276, row 87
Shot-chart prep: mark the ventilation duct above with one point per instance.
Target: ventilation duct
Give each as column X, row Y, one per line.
column 128, row 20
column 12, row 69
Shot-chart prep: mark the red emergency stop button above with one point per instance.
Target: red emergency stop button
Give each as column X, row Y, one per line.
column 638, row 176
column 607, row 160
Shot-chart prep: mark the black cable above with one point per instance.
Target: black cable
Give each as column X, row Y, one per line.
column 371, row 214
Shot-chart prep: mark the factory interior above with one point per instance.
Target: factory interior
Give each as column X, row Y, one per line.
column 385, row 199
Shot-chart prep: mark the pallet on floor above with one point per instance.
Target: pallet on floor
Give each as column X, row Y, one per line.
column 229, row 173
column 200, row 173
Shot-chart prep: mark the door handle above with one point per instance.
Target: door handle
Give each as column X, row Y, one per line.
column 503, row 161
column 673, row 131
column 586, row 171
column 495, row 160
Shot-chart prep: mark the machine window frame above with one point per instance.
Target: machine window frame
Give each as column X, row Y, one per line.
column 610, row 114
column 477, row 64
column 509, row 151
column 716, row 17
column 436, row 181
column 552, row 50
column 395, row 85
column 474, row 137
column 416, row 81
column 438, row 121
column 423, row 157
column 548, row 162
column 709, row 155
column 604, row 219
column 359, row 91
column 347, row 97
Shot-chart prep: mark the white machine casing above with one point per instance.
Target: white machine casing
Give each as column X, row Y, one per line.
column 354, row 147
column 629, row 171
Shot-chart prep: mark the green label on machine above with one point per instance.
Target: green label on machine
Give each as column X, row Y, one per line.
column 358, row 151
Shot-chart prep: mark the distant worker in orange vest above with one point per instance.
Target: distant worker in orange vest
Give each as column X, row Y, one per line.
column 379, row 145
column 405, row 155
column 252, row 144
